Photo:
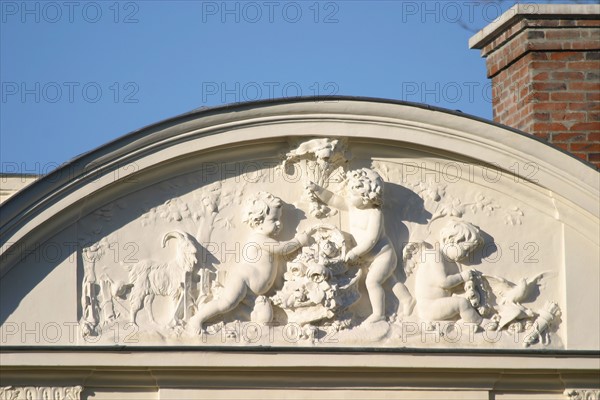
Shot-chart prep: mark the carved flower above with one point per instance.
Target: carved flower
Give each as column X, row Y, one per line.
column 429, row 191
column 513, row 216
column 453, row 208
column 484, row 204
column 174, row 210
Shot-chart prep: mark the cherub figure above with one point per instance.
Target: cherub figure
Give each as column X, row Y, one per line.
column 438, row 273
column 262, row 214
column 363, row 202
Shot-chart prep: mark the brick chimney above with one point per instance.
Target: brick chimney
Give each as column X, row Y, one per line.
column 544, row 62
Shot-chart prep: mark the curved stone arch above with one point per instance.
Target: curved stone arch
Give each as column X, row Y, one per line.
column 96, row 176
column 562, row 196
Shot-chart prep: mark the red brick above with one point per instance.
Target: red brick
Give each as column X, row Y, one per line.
column 542, row 22
column 563, row 34
column 538, row 56
column 541, row 96
column 593, row 116
column 551, row 64
column 585, row 147
column 567, row 116
column 567, row 76
column 548, row 126
column 592, row 96
column 592, row 55
column 594, row 158
column 549, row 86
column 550, row 106
column 584, row 65
column 535, row 34
column 567, row 96
column 567, row 137
column 584, row 106
column 589, row 44
column 591, row 86
column 567, row 22
column 542, row 76
column 591, row 33
column 588, row 22
column 593, row 137
column 567, row 56
column 546, row 77
column 539, row 45
column 541, row 116
column 592, row 76
column 585, row 126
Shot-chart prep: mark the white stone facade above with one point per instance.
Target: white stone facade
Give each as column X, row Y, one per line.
column 370, row 248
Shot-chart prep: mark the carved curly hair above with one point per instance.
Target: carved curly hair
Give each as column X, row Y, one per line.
column 258, row 206
column 462, row 234
column 368, row 184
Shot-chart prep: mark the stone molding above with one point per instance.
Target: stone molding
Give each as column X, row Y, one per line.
column 118, row 163
column 533, row 11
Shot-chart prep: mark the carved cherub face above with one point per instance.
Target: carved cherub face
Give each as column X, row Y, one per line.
column 271, row 225
column 263, row 213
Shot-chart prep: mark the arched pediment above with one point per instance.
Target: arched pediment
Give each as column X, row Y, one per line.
column 169, row 219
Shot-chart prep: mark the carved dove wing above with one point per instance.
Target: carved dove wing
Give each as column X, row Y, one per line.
column 535, row 280
column 500, row 287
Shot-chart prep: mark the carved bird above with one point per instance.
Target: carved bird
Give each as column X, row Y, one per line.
column 510, row 296
column 516, row 293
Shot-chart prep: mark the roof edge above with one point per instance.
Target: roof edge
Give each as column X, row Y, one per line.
column 79, row 164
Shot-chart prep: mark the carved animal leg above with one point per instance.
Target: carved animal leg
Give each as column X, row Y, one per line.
column 148, row 306
column 136, row 305
column 178, row 311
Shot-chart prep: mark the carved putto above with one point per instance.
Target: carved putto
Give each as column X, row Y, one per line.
column 352, row 252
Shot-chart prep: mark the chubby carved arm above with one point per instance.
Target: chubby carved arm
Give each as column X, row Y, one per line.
column 456, row 279
column 327, row 196
column 287, row 247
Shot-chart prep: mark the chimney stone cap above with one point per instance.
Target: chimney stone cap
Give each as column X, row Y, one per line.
column 535, row 11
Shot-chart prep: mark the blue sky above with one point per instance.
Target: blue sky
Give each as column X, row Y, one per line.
column 77, row 74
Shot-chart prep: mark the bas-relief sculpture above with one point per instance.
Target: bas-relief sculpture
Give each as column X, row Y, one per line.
column 40, row 392
column 582, row 394
column 377, row 259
